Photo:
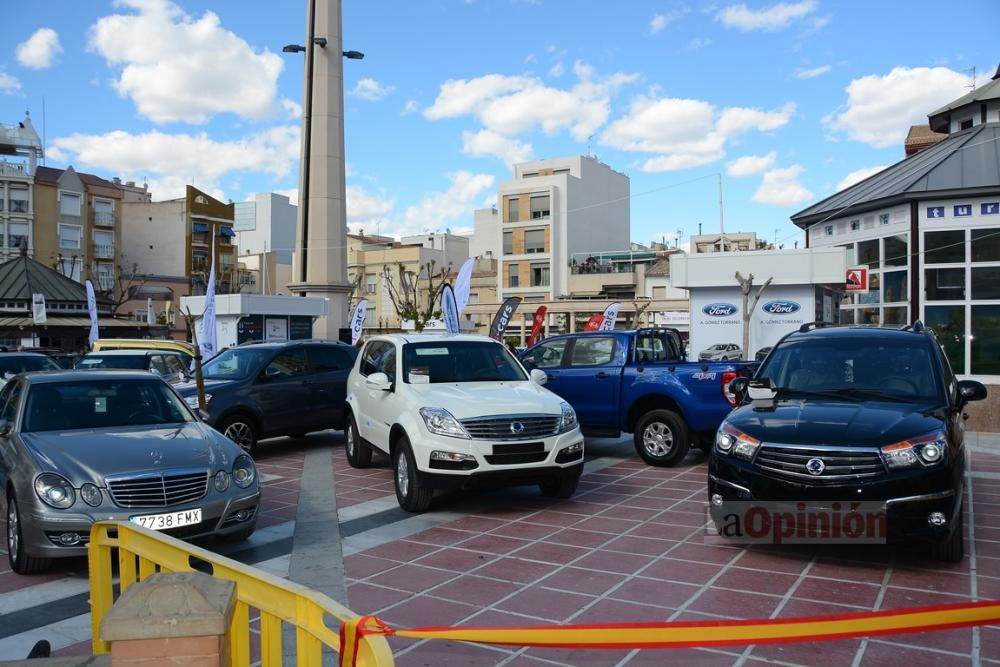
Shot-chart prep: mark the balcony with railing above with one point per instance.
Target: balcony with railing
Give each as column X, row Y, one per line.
column 104, row 218
column 104, row 251
column 105, row 282
column 199, row 238
column 14, row 170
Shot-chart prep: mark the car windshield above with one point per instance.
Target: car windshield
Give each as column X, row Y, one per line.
column 876, row 367
column 459, row 361
column 236, row 363
column 112, row 361
column 101, row 404
column 11, row 364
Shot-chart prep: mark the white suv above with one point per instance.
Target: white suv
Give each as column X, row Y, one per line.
column 453, row 411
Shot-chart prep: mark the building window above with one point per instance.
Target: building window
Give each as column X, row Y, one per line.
column 883, row 219
column 105, row 277
column 944, row 284
column 18, row 201
column 966, row 124
column 18, row 232
column 985, row 340
column 69, row 203
column 104, row 244
column 104, row 212
column 540, row 275
column 69, row 236
column 371, row 281
column 539, row 207
column 71, row 267
column 986, row 283
column 855, row 225
column 868, row 253
column 828, row 230
column 986, row 245
column 512, row 275
column 895, row 252
column 534, row 241
column 508, row 243
column 512, row 209
column 944, row 247
column 894, row 287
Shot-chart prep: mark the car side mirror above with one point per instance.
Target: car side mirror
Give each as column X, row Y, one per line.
column 5, row 428
column 271, row 373
column 379, row 381
column 738, row 388
column 759, row 388
column 539, row 377
column 970, row 390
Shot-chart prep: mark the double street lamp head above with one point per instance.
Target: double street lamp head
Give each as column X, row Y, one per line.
column 321, row 42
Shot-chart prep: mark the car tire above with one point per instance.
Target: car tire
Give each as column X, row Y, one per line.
column 410, row 493
column 661, row 438
column 562, row 488
column 20, row 561
column 952, row 550
column 240, row 429
column 358, row 455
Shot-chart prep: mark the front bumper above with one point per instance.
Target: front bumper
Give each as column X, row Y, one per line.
column 41, row 525
column 907, row 497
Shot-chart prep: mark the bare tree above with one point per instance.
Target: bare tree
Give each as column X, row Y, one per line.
column 405, row 293
column 639, row 310
column 746, row 284
column 126, row 280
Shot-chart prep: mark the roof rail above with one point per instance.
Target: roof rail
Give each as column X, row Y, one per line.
column 916, row 327
column 809, row 326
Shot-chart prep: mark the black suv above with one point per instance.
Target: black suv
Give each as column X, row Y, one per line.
column 263, row 390
column 838, row 415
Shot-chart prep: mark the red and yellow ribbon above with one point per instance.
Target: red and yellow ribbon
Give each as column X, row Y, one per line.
column 690, row 634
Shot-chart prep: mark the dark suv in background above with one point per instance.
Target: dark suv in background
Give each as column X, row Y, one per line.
column 263, row 390
column 845, row 414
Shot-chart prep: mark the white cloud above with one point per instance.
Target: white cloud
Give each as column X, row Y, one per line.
column 812, row 73
column 557, row 70
column 371, row 90
column 411, row 106
column 751, row 165
column 684, row 132
column 173, row 160
column 9, row 83
column 176, row 68
column 487, row 142
column 366, row 210
column 881, row 109
column 439, row 209
column 510, row 105
column 781, row 187
column 859, row 175
column 40, row 50
column 775, row 17
column 292, row 108
column 658, row 23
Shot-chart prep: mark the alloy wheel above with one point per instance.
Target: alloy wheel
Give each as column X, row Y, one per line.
column 349, row 436
column 240, row 433
column 403, row 473
column 657, row 439
column 13, row 528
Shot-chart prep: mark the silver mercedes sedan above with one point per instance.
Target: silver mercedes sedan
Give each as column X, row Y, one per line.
column 83, row 446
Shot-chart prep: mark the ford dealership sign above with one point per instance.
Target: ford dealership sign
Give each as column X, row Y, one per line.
column 719, row 309
column 780, row 307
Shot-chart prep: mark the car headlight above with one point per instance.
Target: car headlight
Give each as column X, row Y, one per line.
column 244, row 472
column 91, row 494
column 192, row 400
column 567, row 421
column 441, row 422
column 55, row 490
column 731, row 440
column 925, row 450
column 221, row 481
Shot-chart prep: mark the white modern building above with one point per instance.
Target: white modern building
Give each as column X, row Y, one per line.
column 454, row 248
column 928, row 230
column 241, row 318
column 551, row 213
column 266, row 224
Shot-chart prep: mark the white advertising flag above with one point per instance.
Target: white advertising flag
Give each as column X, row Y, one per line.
column 38, row 308
column 610, row 317
column 207, row 336
column 449, row 309
column 92, row 307
column 150, row 313
column 358, row 321
column 463, row 285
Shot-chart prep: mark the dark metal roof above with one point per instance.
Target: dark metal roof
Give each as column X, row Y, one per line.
column 22, row 276
column 51, row 175
column 987, row 91
column 967, row 163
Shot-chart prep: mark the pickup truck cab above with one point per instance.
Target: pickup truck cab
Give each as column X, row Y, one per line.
column 638, row 382
column 458, row 411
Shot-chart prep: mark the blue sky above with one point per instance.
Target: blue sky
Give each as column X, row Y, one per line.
column 787, row 100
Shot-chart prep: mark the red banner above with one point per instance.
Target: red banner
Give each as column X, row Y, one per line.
column 536, row 324
column 595, row 322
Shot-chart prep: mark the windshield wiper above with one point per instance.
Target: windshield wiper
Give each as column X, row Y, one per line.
column 846, row 392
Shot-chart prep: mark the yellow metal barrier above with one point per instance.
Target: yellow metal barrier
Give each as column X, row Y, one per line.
column 143, row 552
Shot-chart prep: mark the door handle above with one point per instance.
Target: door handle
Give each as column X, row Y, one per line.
column 602, row 375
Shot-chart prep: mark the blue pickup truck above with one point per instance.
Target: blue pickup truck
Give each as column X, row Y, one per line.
column 639, row 382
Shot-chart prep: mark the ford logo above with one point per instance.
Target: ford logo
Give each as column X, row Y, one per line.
column 781, row 307
column 719, row 309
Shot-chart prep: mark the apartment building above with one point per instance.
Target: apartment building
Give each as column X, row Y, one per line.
column 550, row 213
column 20, row 151
column 454, row 247
column 266, row 224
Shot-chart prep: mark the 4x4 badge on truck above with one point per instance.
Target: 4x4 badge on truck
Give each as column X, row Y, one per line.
column 516, row 427
column 815, row 466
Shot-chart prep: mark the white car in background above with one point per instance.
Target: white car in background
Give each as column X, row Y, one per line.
column 722, row 352
column 457, row 411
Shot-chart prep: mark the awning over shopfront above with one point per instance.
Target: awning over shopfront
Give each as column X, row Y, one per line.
column 227, row 232
column 199, row 227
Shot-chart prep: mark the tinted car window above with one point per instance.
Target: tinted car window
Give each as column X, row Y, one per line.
column 546, row 355
column 102, row 404
column 175, row 365
column 131, row 361
column 236, row 363
column 460, row 362
column 592, row 351
column 11, row 395
column 327, row 358
column 651, row 350
column 370, row 357
column 387, row 362
column 291, row 363
column 16, row 363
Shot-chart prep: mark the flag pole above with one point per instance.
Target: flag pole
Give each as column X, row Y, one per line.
column 198, row 377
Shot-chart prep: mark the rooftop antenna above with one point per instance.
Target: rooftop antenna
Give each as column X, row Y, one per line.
column 43, row 129
column 588, row 146
column 973, row 70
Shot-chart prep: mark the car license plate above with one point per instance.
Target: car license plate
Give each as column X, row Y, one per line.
column 168, row 521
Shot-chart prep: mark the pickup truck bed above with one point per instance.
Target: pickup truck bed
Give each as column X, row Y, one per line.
column 639, row 382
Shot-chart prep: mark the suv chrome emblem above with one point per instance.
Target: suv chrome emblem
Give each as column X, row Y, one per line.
column 156, row 456
column 815, row 466
column 516, row 427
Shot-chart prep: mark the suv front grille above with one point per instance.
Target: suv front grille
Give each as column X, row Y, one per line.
column 512, row 427
column 839, row 465
column 172, row 487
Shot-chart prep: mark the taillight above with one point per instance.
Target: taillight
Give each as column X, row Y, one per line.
column 728, row 377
